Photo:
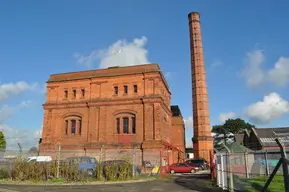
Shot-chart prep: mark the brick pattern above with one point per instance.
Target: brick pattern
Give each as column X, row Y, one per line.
column 203, row 140
column 178, row 138
column 100, row 106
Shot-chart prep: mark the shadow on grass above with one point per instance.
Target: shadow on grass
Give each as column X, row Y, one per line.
column 257, row 186
column 197, row 182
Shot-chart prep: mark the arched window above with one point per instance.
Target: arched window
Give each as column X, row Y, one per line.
column 72, row 125
column 125, row 123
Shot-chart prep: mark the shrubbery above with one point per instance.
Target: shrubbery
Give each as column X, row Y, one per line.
column 114, row 171
column 4, row 173
column 22, row 171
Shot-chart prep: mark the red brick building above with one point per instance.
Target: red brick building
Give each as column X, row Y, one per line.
column 117, row 109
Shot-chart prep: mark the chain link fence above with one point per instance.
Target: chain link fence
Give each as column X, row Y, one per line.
column 157, row 165
column 248, row 171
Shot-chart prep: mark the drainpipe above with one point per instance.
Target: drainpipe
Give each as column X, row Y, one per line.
column 144, row 85
column 143, row 106
column 87, row 127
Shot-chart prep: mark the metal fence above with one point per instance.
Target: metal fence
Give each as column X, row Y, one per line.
column 157, row 163
column 242, row 171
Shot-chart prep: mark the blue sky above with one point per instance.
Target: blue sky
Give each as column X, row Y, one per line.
column 245, row 44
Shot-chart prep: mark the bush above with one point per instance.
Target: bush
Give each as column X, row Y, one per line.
column 115, row 170
column 23, row 170
column 4, row 173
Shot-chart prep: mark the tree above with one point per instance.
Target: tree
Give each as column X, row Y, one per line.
column 33, row 150
column 2, row 142
column 221, row 138
column 234, row 126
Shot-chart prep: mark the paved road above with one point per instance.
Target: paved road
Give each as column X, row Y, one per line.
column 154, row 186
column 182, row 183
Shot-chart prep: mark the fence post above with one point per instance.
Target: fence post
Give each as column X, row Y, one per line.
column 284, row 165
column 133, row 162
column 101, row 153
column 231, row 188
column 58, row 160
column 266, row 161
column 222, row 172
column 246, row 164
column 218, row 170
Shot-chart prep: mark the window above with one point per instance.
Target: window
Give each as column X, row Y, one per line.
column 66, row 127
column 125, row 89
column 135, row 88
column 133, row 125
column 118, row 125
column 72, row 124
column 80, row 124
column 73, row 127
column 65, row 93
column 125, row 125
column 74, row 93
column 82, row 92
column 116, row 90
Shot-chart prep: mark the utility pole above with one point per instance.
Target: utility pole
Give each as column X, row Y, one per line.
column 58, row 160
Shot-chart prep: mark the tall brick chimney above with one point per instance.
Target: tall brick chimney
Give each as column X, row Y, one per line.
column 202, row 140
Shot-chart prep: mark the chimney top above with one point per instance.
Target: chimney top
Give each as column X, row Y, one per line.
column 194, row 16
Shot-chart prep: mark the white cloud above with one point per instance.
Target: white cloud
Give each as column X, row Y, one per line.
column 6, row 112
column 38, row 133
column 14, row 89
column 189, row 125
column 167, row 74
column 26, row 137
column 225, row 116
column 279, row 75
column 271, row 108
column 253, row 71
column 120, row 53
column 216, row 63
column 255, row 75
column 26, row 103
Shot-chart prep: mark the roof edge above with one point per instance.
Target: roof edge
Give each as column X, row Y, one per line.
column 102, row 69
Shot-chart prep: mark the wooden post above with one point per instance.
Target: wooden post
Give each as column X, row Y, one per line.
column 284, row 165
column 133, row 161
column 284, row 162
column 267, row 166
column 246, row 164
column 20, row 150
column 58, row 160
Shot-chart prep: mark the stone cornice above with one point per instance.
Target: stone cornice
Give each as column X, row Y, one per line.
column 64, row 105
column 52, row 86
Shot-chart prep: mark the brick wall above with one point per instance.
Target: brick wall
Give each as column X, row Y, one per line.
column 93, row 102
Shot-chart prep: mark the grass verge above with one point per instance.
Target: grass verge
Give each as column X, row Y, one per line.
column 256, row 184
column 62, row 181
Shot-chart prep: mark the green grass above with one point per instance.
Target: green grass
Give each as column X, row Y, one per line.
column 63, row 181
column 256, row 184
